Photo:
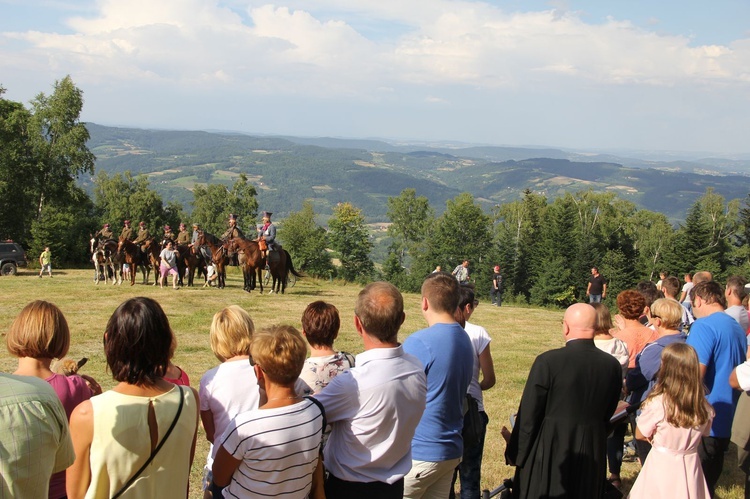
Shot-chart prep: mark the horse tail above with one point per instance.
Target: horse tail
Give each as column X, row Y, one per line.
column 291, row 265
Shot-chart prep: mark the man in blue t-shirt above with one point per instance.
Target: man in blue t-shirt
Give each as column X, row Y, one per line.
column 721, row 345
column 446, row 353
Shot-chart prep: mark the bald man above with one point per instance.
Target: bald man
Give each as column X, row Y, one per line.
column 558, row 443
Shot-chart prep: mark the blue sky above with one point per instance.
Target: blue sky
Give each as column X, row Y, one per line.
column 635, row 74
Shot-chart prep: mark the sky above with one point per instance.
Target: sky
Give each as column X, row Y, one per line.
column 623, row 75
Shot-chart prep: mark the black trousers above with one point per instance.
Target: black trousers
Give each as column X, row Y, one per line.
column 341, row 489
column 711, row 452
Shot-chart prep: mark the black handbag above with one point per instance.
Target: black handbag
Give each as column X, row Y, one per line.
column 473, row 424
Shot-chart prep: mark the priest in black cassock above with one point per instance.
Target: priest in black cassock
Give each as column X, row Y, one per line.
column 558, row 443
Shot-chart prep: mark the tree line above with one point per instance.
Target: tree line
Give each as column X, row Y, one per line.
column 545, row 247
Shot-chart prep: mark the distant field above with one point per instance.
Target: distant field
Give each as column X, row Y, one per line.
column 519, row 334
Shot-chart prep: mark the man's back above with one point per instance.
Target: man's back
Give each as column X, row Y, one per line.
column 374, row 409
column 448, row 358
column 558, row 443
column 34, row 436
column 721, row 345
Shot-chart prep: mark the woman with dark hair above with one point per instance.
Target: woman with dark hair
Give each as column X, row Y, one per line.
column 138, row 437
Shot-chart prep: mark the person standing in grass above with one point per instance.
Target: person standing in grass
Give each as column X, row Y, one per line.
column 673, row 419
column 320, row 326
column 230, row 388
column 45, row 261
column 168, row 264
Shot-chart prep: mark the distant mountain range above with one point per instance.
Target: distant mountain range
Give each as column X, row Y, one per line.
column 288, row 170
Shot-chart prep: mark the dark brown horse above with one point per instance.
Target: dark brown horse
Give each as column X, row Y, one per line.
column 189, row 261
column 218, row 255
column 152, row 249
column 280, row 264
column 251, row 261
column 132, row 255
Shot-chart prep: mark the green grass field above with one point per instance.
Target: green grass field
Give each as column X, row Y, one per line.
column 519, row 335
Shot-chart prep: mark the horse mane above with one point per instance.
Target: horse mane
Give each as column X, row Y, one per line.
column 210, row 238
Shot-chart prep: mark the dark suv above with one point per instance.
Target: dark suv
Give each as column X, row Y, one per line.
column 12, row 256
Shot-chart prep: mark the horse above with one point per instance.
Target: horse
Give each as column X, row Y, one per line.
column 190, row 261
column 131, row 254
column 105, row 257
column 280, row 264
column 251, row 261
column 152, row 250
column 218, row 255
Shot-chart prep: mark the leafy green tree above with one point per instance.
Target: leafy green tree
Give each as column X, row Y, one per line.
column 517, row 235
column 350, row 238
column 213, row 203
column 65, row 229
column 410, row 217
column 58, row 141
column 306, row 241
column 123, row 196
column 16, row 202
column 462, row 232
column 653, row 238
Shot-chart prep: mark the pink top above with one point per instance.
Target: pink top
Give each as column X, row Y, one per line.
column 182, row 380
column 72, row 390
column 635, row 338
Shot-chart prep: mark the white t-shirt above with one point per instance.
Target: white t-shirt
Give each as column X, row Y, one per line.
column 227, row 390
column 480, row 339
column 739, row 313
column 278, row 448
column 617, row 349
column 686, row 289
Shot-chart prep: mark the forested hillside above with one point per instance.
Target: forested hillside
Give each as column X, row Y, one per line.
column 286, row 171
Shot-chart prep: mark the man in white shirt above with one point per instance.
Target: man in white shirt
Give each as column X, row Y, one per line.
column 375, row 407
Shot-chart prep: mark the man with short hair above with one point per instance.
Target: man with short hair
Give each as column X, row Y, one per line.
column 34, row 436
column 558, row 443
column 735, row 293
column 496, row 291
column 670, row 287
column 374, row 407
column 448, row 358
column 597, row 286
column 461, row 272
column 721, row 345
column 45, row 261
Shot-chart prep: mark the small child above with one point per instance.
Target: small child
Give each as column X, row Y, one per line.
column 125, row 271
column 320, row 325
column 675, row 417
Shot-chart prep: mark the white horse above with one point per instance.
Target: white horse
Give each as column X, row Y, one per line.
column 105, row 259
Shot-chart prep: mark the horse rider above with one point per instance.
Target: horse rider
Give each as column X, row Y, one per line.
column 168, row 234
column 104, row 233
column 267, row 233
column 127, row 231
column 143, row 235
column 233, row 231
column 183, row 237
column 200, row 251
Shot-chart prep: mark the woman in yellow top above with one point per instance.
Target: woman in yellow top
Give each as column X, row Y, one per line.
column 138, row 437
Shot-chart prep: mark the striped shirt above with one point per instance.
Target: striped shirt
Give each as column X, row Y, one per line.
column 278, row 448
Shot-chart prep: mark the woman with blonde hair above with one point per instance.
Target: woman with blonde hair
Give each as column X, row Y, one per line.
column 231, row 387
column 665, row 315
column 137, row 439
column 274, row 450
column 37, row 336
column 676, row 415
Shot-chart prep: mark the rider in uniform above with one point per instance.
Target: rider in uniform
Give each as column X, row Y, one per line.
column 168, row 234
column 233, row 231
column 104, row 233
column 183, row 237
column 127, row 231
column 143, row 235
column 267, row 232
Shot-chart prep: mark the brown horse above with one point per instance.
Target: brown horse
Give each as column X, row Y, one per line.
column 152, row 250
column 189, row 261
column 250, row 259
column 280, row 264
column 132, row 255
column 218, row 255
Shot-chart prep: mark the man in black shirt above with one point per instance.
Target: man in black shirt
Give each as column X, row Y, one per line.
column 597, row 288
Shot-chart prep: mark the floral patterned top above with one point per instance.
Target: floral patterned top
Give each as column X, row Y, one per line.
column 319, row 371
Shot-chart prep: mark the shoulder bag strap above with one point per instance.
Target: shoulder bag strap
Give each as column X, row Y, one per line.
column 156, row 450
column 322, row 410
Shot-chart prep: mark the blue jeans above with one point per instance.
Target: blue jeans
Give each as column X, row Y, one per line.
column 595, row 298
column 470, row 468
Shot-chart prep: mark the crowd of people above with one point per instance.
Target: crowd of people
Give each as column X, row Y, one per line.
column 400, row 419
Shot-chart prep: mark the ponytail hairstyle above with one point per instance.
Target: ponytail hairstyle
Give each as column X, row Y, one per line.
column 679, row 381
